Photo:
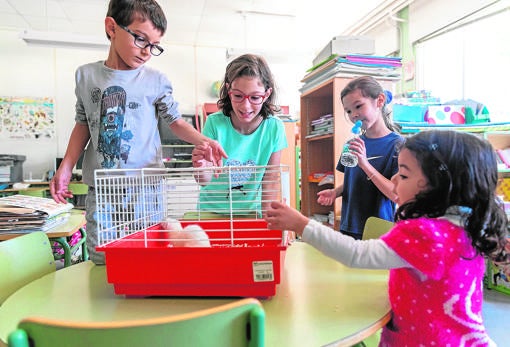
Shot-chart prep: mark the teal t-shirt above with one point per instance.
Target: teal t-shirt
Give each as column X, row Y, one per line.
column 238, row 188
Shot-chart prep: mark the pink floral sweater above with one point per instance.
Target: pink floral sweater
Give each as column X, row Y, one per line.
column 441, row 303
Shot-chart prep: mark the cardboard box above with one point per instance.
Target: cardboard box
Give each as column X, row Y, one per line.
column 409, row 113
column 446, row 114
column 343, row 45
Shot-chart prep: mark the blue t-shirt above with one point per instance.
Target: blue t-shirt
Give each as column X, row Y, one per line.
column 361, row 198
column 255, row 149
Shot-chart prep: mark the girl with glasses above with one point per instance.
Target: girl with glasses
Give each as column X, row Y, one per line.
column 249, row 132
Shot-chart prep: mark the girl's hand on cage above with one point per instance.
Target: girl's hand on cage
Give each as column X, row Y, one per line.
column 283, row 217
column 326, row 197
column 198, row 155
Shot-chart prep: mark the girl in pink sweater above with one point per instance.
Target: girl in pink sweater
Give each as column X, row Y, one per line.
column 448, row 218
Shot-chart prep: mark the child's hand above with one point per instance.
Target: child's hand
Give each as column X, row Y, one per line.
column 59, row 186
column 282, row 217
column 215, row 153
column 208, row 153
column 357, row 147
column 199, row 153
column 326, row 197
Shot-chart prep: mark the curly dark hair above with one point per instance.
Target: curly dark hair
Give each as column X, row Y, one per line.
column 125, row 11
column 461, row 169
column 248, row 65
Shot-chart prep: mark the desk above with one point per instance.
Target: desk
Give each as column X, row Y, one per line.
column 61, row 233
column 319, row 301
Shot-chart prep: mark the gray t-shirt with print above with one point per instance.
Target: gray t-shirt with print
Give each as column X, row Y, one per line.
column 122, row 109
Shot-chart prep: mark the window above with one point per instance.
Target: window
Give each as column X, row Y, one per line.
column 469, row 62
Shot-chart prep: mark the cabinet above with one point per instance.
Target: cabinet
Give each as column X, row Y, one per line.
column 289, row 159
column 321, row 153
column 499, row 140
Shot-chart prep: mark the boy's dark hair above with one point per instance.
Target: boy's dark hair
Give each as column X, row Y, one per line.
column 248, row 65
column 461, row 170
column 126, row 11
column 370, row 88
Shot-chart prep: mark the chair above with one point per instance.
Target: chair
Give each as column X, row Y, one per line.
column 40, row 193
column 375, row 228
column 240, row 323
column 79, row 191
column 22, row 260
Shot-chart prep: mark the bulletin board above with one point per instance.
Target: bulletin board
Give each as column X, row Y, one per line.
column 27, row 118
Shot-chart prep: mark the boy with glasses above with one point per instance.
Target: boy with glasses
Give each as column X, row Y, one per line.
column 119, row 103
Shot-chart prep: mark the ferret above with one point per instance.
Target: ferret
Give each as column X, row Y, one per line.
column 191, row 236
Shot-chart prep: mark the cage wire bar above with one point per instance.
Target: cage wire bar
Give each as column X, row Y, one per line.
column 223, row 200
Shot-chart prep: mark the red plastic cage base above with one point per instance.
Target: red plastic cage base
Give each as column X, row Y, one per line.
column 248, row 268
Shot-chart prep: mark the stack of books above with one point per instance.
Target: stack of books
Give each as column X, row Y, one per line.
column 321, row 126
column 352, row 65
column 22, row 213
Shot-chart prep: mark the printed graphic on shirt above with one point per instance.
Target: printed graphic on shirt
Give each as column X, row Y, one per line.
column 240, row 174
column 111, row 128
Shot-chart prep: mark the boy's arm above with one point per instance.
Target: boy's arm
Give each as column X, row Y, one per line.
column 60, row 181
column 188, row 133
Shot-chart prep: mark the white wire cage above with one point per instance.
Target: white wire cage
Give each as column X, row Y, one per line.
column 175, row 232
column 226, row 202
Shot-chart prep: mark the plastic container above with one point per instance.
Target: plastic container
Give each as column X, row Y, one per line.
column 15, row 162
column 348, row 159
column 249, row 266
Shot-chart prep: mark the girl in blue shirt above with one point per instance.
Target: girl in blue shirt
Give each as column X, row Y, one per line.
column 366, row 190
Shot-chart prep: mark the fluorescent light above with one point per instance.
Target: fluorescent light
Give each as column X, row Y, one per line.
column 63, row 40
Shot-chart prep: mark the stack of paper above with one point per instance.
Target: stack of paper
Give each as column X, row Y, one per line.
column 352, row 65
column 22, row 213
column 321, row 126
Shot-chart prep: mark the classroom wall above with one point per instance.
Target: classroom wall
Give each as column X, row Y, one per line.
column 49, row 72
column 42, row 72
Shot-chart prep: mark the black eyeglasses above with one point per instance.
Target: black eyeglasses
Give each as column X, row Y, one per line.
column 142, row 42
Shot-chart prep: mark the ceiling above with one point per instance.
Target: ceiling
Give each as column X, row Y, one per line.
column 295, row 26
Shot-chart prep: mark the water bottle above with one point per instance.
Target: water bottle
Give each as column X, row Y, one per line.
column 347, row 158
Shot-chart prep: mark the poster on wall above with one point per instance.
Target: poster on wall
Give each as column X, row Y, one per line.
column 27, row 118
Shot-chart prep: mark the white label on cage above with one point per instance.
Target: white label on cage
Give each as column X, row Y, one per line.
column 263, row 271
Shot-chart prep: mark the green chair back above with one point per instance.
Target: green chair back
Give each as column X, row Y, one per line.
column 22, row 260
column 78, row 188
column 40, row 193
column 375, row 228
column 236, row 324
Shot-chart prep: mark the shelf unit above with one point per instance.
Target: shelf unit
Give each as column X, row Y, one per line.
column 321, row 153
column 499, row 140
column 179, row 154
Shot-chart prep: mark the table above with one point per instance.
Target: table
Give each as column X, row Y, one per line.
column 62, row 233
column 319, row 302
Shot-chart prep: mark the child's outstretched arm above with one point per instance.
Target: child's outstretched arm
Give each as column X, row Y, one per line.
column 280, row 216
column 60, row 182
column 369, row 254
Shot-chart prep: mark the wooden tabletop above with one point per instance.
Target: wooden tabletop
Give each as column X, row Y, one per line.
column 319, row 302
